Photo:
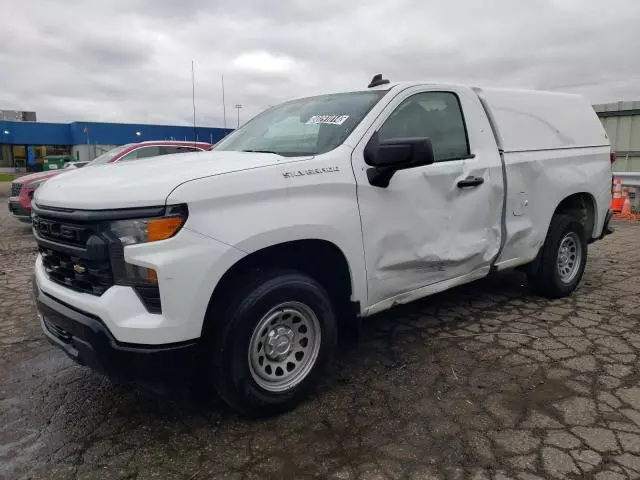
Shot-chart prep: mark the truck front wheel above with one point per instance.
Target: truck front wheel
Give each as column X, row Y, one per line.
column 563, row 258
column 272, row 343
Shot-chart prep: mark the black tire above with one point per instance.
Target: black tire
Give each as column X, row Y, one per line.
column 230, row 340
column 547, row 280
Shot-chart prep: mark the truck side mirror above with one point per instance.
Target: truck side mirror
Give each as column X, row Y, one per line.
column 389, row 156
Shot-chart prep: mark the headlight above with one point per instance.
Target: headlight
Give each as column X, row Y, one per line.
column 145, row 230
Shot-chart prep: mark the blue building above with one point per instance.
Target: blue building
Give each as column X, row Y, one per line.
column 27, row 144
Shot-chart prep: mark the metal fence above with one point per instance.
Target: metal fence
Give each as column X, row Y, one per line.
column 629, row 179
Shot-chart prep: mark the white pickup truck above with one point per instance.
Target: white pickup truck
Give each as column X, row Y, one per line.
column 243, row 263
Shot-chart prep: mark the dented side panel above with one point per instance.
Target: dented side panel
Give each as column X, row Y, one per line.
column 431, row 231
column 554, row 147
column 423, row 229
column 538, row 182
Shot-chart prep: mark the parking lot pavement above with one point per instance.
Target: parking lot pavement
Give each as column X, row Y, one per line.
column 484, row 382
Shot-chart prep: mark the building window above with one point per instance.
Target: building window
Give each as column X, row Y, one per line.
column 5, row 156
column 17, row 156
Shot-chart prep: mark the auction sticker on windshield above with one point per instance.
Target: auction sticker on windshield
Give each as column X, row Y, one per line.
column 329, row 119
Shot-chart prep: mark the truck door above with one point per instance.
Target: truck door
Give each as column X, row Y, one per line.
column 437, row 225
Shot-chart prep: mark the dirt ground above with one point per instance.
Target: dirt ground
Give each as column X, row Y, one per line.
column 486, row 381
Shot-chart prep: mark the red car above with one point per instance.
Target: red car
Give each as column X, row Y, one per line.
column 22, row 188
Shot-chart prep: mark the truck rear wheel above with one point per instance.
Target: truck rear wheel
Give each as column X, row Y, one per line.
column 271, row 346
column 563, row 258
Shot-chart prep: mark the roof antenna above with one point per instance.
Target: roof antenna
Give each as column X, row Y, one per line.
column 377, row 80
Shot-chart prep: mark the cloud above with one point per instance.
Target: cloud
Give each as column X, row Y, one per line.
column 263, row 62
column 130, row 60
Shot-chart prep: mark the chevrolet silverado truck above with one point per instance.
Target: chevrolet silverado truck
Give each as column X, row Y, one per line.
column 239, row 266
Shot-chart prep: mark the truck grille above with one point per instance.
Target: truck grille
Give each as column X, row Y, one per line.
column 76, row 273
column 67, row 233
column 70, row 258
column 16, row 188
column 79, row 251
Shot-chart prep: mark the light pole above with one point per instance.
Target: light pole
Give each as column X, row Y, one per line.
column 237, row 106
column 7, row 132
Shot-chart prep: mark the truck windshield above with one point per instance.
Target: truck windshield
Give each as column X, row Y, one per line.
column 308, row 126
column 107, row 156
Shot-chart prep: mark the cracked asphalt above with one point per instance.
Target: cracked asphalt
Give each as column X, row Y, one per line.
column 486, row 381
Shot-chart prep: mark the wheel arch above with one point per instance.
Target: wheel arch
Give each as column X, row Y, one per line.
column 321, row 259
column 583, row 206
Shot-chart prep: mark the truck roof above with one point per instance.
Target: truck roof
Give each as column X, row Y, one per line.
column 534, row 119
column 527, row 120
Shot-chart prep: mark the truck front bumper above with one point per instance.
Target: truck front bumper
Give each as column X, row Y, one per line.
column 87, row 341
column 17, row 210
column 188, row 266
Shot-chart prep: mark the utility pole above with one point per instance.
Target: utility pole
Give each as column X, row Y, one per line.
column 224, row 106
column 193, row 100
column 237, row 106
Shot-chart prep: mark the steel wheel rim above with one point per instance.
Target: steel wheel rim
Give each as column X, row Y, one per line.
column 569, row 257
column 284, row 346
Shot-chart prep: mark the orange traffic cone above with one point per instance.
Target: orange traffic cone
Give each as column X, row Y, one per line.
column 626, row 206
column 617, row 201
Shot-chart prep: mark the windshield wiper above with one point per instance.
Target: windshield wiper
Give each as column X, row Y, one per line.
column 262, row 151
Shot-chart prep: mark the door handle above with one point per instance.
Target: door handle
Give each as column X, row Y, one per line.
column 470, row 182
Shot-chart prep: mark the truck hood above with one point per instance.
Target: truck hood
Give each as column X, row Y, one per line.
column 145, row 182
column 36, row 177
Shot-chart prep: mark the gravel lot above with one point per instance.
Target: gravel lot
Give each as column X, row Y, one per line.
column 484, row 382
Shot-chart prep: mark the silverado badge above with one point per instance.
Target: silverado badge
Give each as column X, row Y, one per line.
column 310, row 171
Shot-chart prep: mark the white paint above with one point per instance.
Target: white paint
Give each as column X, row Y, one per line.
column 256, row 208
column 548, row 177
column 419, row 236
column 531, row 120
column 555, row 146
column 147, row 181
column 423, row 229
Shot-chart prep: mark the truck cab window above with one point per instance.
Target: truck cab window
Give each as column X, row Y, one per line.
column 307, row 126
column 436, row 115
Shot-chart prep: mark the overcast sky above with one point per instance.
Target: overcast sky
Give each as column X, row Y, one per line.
column 130, row 60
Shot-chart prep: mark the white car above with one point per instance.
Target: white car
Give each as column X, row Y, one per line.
column 249, row 259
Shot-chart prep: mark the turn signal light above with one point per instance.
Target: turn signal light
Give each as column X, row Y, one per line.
column 163, row 228
column 152, row 276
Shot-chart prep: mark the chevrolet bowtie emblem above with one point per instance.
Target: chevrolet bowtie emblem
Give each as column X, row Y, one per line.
column 79, row 269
